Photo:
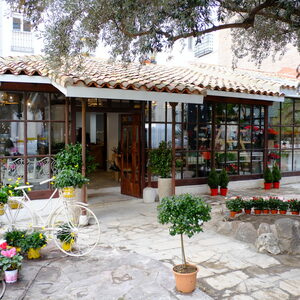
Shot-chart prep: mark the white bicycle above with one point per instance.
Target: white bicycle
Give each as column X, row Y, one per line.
column 66, row 222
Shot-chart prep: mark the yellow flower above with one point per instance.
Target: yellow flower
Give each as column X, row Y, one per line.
column 9, row 185
column 51, row 182
column 53, row 177
column 27, row 183
column 72, row 234
column 10, row 192
column 43, row 227
column 76, row 166
column 41, row 236
column 9, row 179
column 19, row 178
column 22, row 235
column 29, row 189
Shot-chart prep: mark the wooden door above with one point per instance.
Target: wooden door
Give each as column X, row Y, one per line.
column 130, row 155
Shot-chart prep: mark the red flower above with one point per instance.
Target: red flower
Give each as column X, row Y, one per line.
column 3, row 246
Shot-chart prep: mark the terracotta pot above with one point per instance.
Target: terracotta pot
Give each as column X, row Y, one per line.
column 282, row 212
column 247, row 211
column 233, row 213
column 268, row 185
column 274, row 211
column 276, row 185
column 257, row 211
column 214, row 192
column 11, row 276
column 295, row 212
column 223, row 192
column 266, row 211
column 185, row 282
column 164, row 187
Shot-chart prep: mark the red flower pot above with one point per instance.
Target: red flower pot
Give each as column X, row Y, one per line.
column 266, row 211
column 247, row 211
column 223, row 192
column 276, row 185
column 268, row 185
column 282, row 212
column 295, row 212
column 214, row 192
column 257, row 211
column 232, row 214
column 274, row 211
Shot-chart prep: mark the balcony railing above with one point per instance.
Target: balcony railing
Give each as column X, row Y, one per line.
column 22, row 41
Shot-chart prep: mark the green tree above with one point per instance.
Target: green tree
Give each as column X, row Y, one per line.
column 134, row 28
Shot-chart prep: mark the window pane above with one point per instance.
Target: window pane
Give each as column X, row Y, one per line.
column 190, row 113
column 273, row 157
column 232, row 137
column 11, row 106
column 258, row 115
column 273, row 137
column 232, row 113
column 257, row 137
column 286, row 137
column 26, row 26
column 297, row 112
column 192, row 136
column 220, row 137
column 287, row 112
column 57, row 137
column 16, row 24
column 205, row 113
column 38, row 107
column 245, row 114
column 245, row 137
column 11, row 138
column 178, row 130
column 245, row 165
column 274, row 114
column 296, row 137
column 286, row 161
column 11, row 168
column 257, row 162
column 158, row 111
column 204, row 137
column 296, row 160
column 37, row 138
column 157, row 134
column 220, row 113
column 39, row 169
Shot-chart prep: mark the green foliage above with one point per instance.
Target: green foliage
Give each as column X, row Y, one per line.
column 3, row 196
column 294, row 204
column 160, row 160
column 213, row 179
column 65, row 233
column 259, row 203
column 247, row 204
column 10, row 263
column 276, row 173
column 223, row 179
column 268, row 177
column 34, row 240
column 15, row 238
column 283, row 205
column 234, row 204
column 71, row 158
column 274, row 203
column 69, row 178
column 9, row 189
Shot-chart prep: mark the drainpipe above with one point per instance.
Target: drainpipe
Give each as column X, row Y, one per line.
column 173, row 105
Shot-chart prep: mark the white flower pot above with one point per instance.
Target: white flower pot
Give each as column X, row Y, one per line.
column 164, row 187
column 11, row 276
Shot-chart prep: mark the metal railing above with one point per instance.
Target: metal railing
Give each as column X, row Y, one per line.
column 22, row 41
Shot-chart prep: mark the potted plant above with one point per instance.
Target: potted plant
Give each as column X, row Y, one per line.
column 266, row 209
column 16, row 238
column 33, row 244
column 268, row 177
column 186, row 214
column 14, row 195
column 160, row 164
column 234, row 206
column 258, row 204
column 223, row 182
column 213, row 182
column 10, row 263
column 3, row 201
column 276, row 176
column 283, row 207
column 273, row 205
column 247, row 205
column 294, row 206
column 66, row 235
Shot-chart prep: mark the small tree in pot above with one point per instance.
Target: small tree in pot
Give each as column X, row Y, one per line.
column 268, row 177
column 276, row 176
column 213, row 182
column 223, row 182
column 186, row 214
column 160, row 164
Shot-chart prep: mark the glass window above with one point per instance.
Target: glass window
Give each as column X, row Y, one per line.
column 205, row 113
column 204, row 137
column 11, row 168
column 26, row 26
column 220, row 137
column 274, row 114
column 158, row 111
column 245, row 114
column 38, row 107
column 245, row 163
column 11, row 138
column 232, row 137
column 232, row 113
column 287, row 112
column 11, row 106
column 257, row 162
column 37, row 138
column 190, row 113
column 220, row 112
column 296, row 137
column 273, row 137
column 16, row 24
column 286, row 137
column 297, row 112
column 157, row 134
column 286, row 161
column 57, row 137
column 296, row 166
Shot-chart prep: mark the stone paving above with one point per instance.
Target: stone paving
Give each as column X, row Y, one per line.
column 136, row 255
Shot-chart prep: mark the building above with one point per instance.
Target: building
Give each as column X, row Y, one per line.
column 16, row 34
column 216, row 117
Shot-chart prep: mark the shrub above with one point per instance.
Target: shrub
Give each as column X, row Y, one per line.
column 247, row 204
column 223, row 179
column 268, row 177
column 186, row 214
column 15, row 238
column 258, row 203
column 35, row 240
column 273, row 203
column 3, row 197
column 276, row 173
column 213, row 179
column 235, row 204
column 69, row 178
column 294, row 205
column 283, row 205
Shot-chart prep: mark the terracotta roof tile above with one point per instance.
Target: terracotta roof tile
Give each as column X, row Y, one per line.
column 190, row 79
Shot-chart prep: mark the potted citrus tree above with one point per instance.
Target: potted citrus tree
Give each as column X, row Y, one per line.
column 33, row 244
column 3, row 201
column 213, row 182
column 268, row 178
column 276, row 176
column 10, row 263
column 185, row 214
column 223, row 182
column 160, row 164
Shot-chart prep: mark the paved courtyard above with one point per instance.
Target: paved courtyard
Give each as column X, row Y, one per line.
column 136, row 255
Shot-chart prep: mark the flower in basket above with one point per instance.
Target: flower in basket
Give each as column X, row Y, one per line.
column 66, row 235
column 10, row 260
column 33, row 243
column 235, row 204
column 294, row 204
column 3, row 196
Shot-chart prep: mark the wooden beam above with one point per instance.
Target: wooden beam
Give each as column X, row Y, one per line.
column 83, row 143
column 173, row 105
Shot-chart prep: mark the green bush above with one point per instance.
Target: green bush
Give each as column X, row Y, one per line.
column 16, row 238
column 268, row 177
column 259, row 203
column 283, row 205
column 235, row 204
column 223, row 179
column 276, row 173
column 274, row 203
column 34, row 240
column 213, row 179
column 294, row 205
column 69, row 178
column 3, row 197
column 247, row 204
column 186, row 214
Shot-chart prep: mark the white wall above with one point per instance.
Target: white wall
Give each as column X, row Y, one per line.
column 113, row 133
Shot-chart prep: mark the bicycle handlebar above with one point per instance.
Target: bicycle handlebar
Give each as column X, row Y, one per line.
column 47, row 180
column 22, row 187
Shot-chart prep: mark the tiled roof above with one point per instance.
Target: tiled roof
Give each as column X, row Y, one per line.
column 192, row 79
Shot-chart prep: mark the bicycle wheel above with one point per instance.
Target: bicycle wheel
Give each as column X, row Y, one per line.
column 19, row 217
column 75, row 229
